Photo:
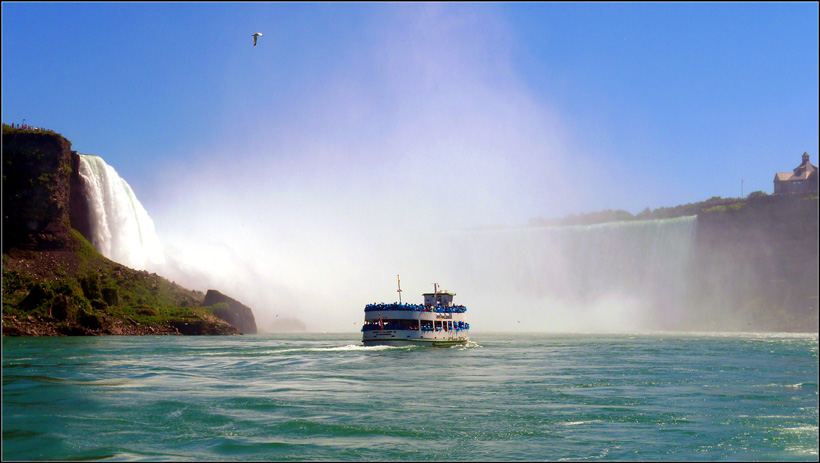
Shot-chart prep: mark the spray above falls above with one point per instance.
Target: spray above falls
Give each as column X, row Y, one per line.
column 613, row 276
column 120, row 227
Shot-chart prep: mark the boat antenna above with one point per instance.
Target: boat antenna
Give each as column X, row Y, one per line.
column 399, row 291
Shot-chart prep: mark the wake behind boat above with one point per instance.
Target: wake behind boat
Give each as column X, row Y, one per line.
column 437, row 322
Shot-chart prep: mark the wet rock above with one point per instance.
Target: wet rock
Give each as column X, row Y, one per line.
column 99, row 305
column 72, row 330
column 39, row 295
column 91, row 287
column 89, row 320
column 111, row 296
column 59, row 308
column 198, row 327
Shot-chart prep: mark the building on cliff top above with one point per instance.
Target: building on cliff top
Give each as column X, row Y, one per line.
column 802, row 180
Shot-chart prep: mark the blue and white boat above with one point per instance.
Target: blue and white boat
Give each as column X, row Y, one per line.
column 437, row 322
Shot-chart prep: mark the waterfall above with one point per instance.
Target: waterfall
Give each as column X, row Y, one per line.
column 121, row 229
column 620, row 275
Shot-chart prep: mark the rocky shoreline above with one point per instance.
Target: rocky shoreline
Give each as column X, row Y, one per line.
column 30, row 325
column 47, row 293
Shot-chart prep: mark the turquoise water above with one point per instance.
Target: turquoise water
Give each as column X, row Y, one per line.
column 324, row 397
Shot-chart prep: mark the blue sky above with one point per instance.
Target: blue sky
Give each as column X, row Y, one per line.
column 689, row 98
column 354, row 117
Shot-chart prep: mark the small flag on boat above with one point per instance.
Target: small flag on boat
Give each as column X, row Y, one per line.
column 381, row 325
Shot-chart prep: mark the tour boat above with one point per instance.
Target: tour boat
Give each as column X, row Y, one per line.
column 437, row 322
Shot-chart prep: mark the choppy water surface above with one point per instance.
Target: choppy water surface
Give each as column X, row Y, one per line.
column 325, row 397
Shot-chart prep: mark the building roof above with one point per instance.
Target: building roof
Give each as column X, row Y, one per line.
column 783, row 176
column 801, row 172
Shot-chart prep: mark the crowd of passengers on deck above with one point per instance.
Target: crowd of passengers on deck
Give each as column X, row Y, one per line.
column 412, row 325
column 415, row 307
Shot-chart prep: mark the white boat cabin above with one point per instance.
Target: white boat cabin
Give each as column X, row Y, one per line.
column 437, row 297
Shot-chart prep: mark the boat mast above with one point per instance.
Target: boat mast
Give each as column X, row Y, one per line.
column 399, row 291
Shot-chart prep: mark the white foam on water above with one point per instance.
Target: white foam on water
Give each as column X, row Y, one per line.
column 354, row 347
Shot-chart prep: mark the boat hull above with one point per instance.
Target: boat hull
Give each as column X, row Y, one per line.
column 414, row 337
column 415, row 342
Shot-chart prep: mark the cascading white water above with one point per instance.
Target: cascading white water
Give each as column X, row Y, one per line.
column 613, row 276
column 120, row 226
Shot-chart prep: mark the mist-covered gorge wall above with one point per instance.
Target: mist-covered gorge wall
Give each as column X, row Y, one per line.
column 756, row 266
column 614, row 276
column 748, row 267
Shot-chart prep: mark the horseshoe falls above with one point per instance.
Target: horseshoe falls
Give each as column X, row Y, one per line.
column 120, row 227
column 619, row 276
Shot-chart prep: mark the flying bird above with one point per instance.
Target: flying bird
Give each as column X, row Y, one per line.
column 256, row 36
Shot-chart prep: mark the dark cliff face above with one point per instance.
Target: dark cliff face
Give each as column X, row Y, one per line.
column 79, row 209
column 231, row 311
column 36, row 172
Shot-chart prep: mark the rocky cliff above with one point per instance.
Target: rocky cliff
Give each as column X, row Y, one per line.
column 55, row 282
column 79, row 209
column 230, row 310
